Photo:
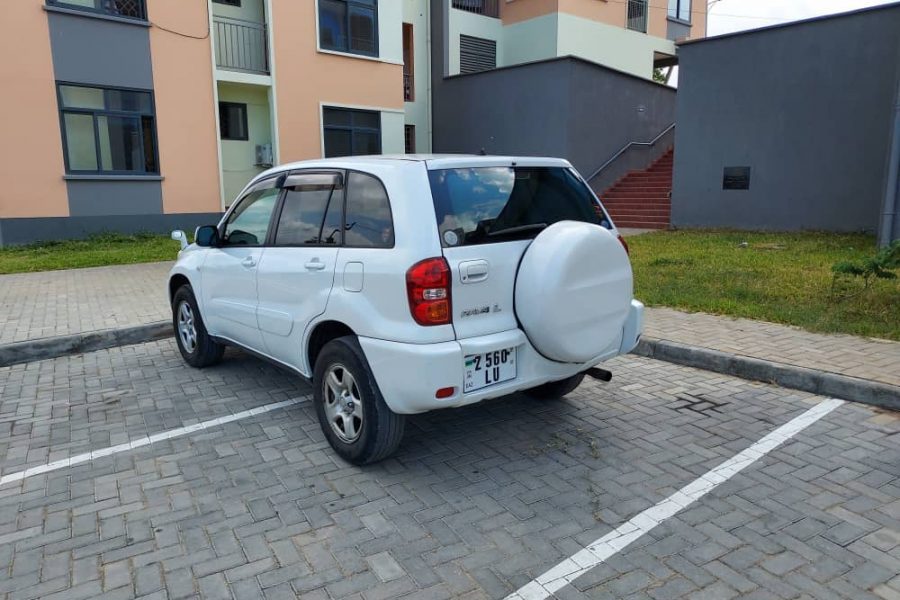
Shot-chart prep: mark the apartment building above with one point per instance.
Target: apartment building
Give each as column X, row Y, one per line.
column 132, row 115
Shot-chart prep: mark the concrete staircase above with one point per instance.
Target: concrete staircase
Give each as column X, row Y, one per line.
column 642, row 198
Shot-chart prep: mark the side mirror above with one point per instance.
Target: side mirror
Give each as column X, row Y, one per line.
column 207, row 236
column 180, row 236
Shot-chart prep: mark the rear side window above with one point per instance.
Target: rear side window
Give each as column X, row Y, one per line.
column 368, row 222
column 483, row 205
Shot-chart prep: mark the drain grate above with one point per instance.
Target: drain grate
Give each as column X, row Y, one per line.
column 699, row 404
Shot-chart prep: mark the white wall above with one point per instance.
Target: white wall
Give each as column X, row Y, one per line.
column 615, row 47
column 392, row 132
column 462, row 22
column 390, row 31
column 415, row 12
column 531, row 40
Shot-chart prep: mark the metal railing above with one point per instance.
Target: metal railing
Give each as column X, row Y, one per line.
column 133, row 9
column 627, row 147
column 637, row 15
column 241, row 45
column 407, row 87
column 488, row 8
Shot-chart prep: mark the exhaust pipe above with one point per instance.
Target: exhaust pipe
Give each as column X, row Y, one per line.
column 599, row 374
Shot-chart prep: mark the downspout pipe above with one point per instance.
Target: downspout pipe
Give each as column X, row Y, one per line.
column 886, row 232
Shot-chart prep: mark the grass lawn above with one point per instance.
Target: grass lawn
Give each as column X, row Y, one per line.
column 778, row 277
column 99, row 250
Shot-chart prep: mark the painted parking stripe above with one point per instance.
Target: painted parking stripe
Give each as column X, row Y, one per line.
column 615, row 541
column 147, row 440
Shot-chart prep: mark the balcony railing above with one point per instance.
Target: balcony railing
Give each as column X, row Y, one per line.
column 407, row 87
column 488, row 8
column 637, row 15
column 241, row 45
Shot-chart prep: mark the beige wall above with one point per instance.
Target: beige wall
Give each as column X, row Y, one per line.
column 306, row 78
column 31, row 159
column 185, row 114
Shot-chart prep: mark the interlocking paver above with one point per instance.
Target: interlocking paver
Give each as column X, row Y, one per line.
column 52, row 303
column 477, row 502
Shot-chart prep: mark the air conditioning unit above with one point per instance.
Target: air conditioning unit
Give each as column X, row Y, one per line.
column 264, row 157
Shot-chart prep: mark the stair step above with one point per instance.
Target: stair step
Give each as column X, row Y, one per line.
column 614, row 200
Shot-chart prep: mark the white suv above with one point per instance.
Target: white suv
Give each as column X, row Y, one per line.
column 404, row 284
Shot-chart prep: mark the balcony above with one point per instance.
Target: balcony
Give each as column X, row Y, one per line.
column 487, row 8
column 637, row 16
column 241, row 45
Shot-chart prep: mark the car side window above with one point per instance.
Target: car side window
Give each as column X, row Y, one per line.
column 248, row 224
column 311, row 216
column 368, row 222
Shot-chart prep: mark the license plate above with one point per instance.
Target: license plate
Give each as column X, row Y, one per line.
column 482, row 370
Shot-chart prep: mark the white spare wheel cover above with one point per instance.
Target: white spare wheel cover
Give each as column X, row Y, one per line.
column 573, row 291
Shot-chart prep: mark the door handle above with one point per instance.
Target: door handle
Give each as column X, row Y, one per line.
column 474, row 271
column 249, row 262
column 314, row 265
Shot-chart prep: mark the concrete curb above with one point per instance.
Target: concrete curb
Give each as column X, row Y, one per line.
column 54, row 347
column 814, row 381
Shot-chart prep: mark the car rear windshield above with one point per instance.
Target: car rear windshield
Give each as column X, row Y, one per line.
column 482, row 205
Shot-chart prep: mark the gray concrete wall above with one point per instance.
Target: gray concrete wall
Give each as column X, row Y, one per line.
column 94, row 198
column 564, row 107
column 29, row 230
column 520, row 110
column 87, row 49
column 807, row 107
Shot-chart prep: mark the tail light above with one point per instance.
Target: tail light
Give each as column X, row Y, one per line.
column 624, row 245
column 428, row 289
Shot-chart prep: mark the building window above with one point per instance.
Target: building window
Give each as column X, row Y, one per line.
column 351, row 132
column 409, row 67
column 409, row 138
column 349, row 26
column 680, row 9
column 476, row 54
column 133, row 9
column 637, row 16
column 108, row 131
column 233, row 121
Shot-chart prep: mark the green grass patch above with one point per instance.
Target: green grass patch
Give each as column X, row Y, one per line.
column 96, row 251
column 778, row 277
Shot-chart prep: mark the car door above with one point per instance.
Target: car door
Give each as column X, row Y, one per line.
column 230, row 270
column 296, row 272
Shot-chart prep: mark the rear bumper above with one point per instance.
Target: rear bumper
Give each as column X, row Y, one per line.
column 408, row 375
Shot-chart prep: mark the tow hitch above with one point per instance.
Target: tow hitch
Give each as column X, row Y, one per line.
column 600, row 374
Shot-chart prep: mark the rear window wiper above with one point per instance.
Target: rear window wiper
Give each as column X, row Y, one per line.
column 519, row 229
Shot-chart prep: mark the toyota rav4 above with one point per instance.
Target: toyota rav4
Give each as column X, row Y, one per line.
column 400, row 285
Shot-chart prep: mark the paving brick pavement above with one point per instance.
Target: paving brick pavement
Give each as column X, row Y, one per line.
column 53, row 303
column 476, row 503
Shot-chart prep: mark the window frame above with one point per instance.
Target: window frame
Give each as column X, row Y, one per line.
column 94, row 113
column 279, row 209
column 99, row 11
column 244, row 121
column 235, row 3
column 266, row 184
column 677, row 16
column 351, row 128
column 376, row 52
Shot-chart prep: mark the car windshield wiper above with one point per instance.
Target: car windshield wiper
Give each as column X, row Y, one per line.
column 519, row 229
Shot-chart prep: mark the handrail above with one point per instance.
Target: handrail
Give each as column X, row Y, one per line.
column 625, row 148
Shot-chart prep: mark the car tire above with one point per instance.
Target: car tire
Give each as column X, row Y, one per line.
column 353, row 415
column 195, row 344
column 556, row 389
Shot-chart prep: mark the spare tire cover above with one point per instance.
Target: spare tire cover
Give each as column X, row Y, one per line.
column 573, row 291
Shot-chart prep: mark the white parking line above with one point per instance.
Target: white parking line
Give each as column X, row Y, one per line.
column 145, row 441
column 615, row 541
